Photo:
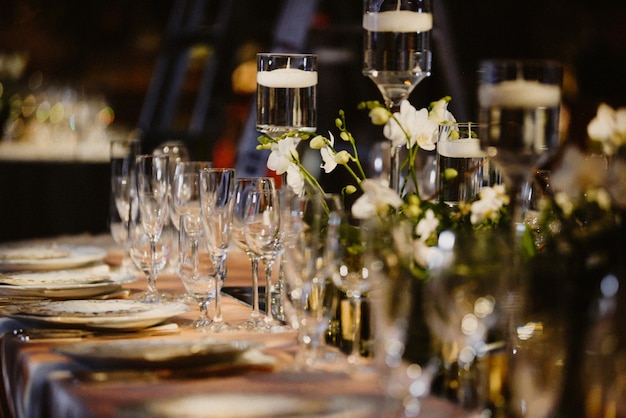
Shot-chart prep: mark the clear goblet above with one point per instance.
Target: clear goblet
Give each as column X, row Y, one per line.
column 196, row 267
column 310, row 296
column 217, row 187
column 152, row 194
column 243, row 186
column 263, row 238
column 397, row 54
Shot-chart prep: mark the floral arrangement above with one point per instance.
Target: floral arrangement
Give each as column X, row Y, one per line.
column 587, row 207
column 411, row 128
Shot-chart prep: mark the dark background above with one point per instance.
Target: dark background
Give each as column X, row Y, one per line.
column 110, row 48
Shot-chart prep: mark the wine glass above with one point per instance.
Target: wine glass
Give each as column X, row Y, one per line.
column 286, row 93
column 122, row 154
column 263, row 238
column 243, row 186
column 152, row 194
column 397, row 54
column 310, row 296
column 196, row 267
column 217, row 186
column 519, row 112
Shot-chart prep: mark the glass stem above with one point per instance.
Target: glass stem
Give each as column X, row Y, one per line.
column 396, row 164
column 269, row 264
column 219, row 279
column 355, row 353
column 254, row 260
column 151, row 293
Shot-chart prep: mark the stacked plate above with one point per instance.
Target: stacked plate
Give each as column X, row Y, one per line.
column 57, row 272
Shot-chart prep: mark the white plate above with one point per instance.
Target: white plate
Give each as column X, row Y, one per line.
column 115, row 314
column 155, row 353
column 252, row 405
column 39, row 257
column 75, row 283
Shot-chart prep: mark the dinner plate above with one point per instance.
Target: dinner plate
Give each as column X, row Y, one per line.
column 118, row 314
column 155, row 353
column 37, row 257
column 252, row 405
column 75, row 283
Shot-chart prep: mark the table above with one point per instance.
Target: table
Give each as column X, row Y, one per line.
column 39, row 383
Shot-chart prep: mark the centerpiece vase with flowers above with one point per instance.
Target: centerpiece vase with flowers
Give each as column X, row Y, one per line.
column 401, row 227
column 582, row 265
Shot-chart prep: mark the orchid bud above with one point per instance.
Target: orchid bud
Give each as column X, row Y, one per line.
column 379, row 115
column 342, row 157
column 318, row 142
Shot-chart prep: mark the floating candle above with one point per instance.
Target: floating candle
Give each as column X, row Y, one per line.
column 398, row 21
column 287, row 78
column 460, row 148
column 519, row 93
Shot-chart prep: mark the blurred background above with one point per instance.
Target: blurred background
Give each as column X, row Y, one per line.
column 75, row 74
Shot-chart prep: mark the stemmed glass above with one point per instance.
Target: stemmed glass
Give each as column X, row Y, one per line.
column 519, row 112
column 263, row 238
column 152, row 194
column 217, row 187
column 148, row 257
column 397, row 54
column 519, row 115
column 123, row 154
column 185, row 189
column 196, row 267
column 243, row 187
column 310, row 296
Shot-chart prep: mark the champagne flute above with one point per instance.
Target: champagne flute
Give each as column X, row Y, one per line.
column 185, row 190
column 217, row 186
column 310, row 296
column 243, row 186
column 122, row 156
column 148, row 256
column 152, row 195
column 286, row 93
column 263, row 238
column 397, row 54
column 196, row 267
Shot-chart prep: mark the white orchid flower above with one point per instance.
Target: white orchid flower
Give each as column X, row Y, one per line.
column 492, row 199
column 295, row 179
column 439, row 111
column 609, row 128
column 427, row 226
column 328, row 155
column 578, row 173
column 377, row 198
column 283, row 154
column 414, row 128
